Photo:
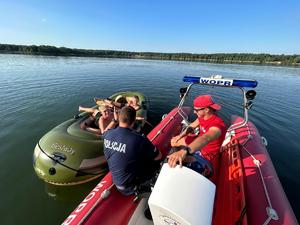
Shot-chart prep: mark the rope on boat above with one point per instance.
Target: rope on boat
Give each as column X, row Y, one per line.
column 103, row 196
column 271, row 212
column 243, row 213
column 68, row 167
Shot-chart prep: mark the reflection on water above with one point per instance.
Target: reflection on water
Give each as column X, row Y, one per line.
column 70, row 194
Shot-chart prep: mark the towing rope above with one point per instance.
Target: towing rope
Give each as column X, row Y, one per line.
column 243, row 213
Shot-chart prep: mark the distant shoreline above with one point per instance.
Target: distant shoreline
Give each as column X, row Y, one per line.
column 222, row 58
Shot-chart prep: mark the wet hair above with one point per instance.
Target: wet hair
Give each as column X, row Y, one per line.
column 127, row 115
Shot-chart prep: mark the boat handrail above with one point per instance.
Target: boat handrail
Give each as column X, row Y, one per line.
column 218, row 80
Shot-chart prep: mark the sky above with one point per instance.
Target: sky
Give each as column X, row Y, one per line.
column 170, row 26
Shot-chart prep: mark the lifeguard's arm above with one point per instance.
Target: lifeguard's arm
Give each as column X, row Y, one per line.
column 212, row 134
column 177, row 140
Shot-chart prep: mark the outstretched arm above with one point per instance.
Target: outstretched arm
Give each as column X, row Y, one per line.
column 89, row 110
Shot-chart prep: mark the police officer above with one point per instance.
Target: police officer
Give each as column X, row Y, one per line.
column 131, row 157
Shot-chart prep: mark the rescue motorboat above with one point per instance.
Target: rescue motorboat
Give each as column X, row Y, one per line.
column 69, row 155
column 247, row 189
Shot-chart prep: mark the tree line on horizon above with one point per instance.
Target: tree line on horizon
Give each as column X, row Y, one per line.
column 243, row 58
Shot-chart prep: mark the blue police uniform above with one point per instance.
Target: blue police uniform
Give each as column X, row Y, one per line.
column 130, row 157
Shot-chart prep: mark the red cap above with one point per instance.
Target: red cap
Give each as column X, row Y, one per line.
column 204, row 101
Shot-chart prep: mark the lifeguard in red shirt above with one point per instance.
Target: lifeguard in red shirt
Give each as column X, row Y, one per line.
column 212, row 133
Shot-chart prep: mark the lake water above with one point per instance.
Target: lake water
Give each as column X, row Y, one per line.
column 38, row 93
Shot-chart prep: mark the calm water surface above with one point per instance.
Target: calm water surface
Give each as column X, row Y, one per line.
column 38, row 93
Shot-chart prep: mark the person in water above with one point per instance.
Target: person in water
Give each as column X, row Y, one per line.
column 101, row 119
column 131, row 157
column 212, row 133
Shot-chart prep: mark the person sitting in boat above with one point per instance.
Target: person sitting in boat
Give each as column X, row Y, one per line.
column 121, row 101
column 134, row 102
column 212, row 133
column 132, row 158
column 100, row 120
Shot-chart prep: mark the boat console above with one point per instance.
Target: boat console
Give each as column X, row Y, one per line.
column 182, row 196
